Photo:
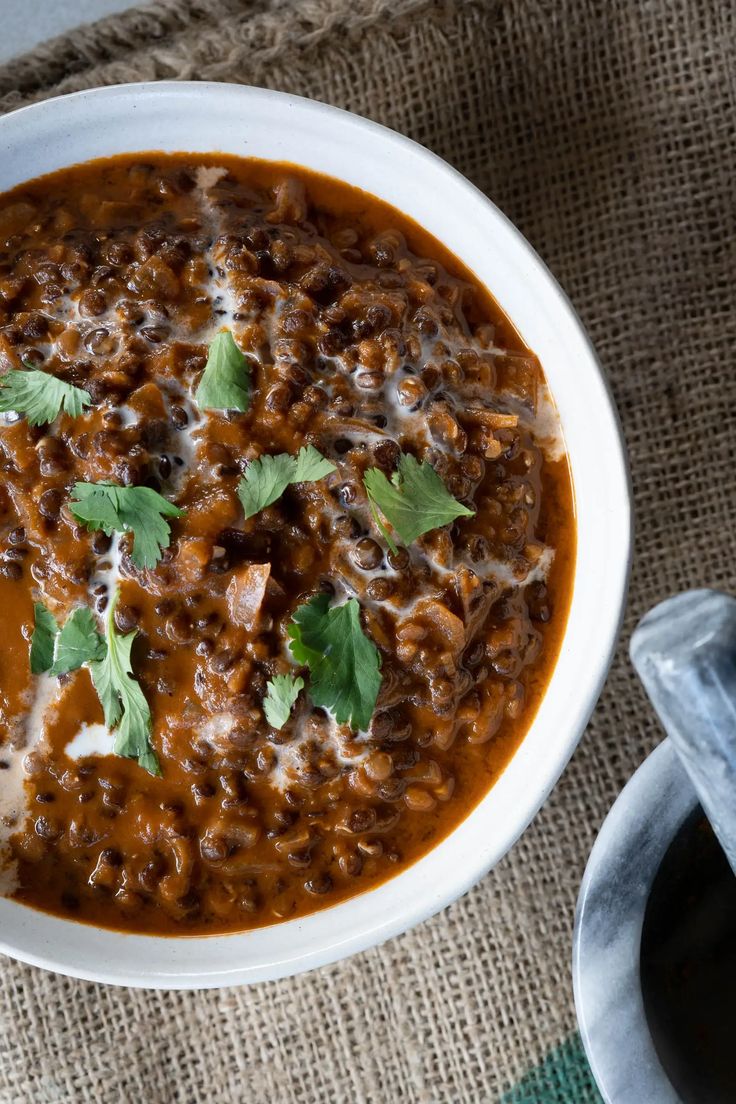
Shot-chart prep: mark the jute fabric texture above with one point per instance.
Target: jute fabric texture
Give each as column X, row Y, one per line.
column 605, row 129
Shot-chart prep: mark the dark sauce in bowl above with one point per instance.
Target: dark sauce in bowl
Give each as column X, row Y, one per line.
column 366, row 341
column 688, row 966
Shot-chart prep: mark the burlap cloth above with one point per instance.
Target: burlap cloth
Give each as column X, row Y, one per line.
column 606, row 131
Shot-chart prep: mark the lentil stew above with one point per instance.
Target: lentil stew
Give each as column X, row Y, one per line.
column 347, row 341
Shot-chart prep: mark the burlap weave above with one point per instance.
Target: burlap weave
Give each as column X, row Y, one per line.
column 606, row 130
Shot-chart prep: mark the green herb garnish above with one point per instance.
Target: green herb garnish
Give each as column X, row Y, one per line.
column 123, row 702
column 78, row 643
column 225, row 382
column 43, row 639
column 344, row 664
column 108, row 659
column 136, row 510
column 267, row 478
column 311, row 465
column 414, row 502
column 40, row 396
column 60, row 651
column 281, row 693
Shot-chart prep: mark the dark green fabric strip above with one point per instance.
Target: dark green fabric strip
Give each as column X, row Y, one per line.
column 564, row 1077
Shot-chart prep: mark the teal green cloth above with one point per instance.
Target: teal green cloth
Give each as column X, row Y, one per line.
column 564, row 1077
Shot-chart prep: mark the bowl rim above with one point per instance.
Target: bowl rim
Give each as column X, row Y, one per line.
column 347, row 140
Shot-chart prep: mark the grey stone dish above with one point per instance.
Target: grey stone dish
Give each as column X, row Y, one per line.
column 684, row 650
column 631, row 845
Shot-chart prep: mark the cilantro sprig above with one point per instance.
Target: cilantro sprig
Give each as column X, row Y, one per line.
column 281, row 693
column 43, row 640
column 225, row 382
column 267, row 478
column 78, row 644
column 413, row 503
column 137, row 510
column 123, row 702
column 40, row 396
column 344, row 664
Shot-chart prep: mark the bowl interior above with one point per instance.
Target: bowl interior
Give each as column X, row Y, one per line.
column 201, row 117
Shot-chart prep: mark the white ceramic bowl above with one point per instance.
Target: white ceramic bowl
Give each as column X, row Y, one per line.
column 253, row 122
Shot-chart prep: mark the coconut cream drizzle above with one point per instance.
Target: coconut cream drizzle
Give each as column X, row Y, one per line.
column 293, row 755
column 290, row 756
column 90, row 739
column 41, row 698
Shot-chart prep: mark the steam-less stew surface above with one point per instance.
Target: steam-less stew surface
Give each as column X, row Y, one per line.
column 280, row 693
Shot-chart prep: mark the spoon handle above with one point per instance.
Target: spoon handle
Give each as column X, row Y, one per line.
column 684, row 651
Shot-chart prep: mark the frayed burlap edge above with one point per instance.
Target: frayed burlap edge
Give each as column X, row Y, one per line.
column 273, row 28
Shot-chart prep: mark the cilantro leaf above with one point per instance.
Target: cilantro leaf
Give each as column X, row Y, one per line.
column 136, row 510
column 267, row 478
column 123, row 702
column 78, row 643
column 61, row 651
column 225, row 382
column 40, row 396
column 344, row 664
column 414, row 502
column 380, row 526
column 108, row 659
column 310, row 465
column 281, row 693
column 44, row 636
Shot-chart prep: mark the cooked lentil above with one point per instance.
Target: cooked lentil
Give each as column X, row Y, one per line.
column 367, row 339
